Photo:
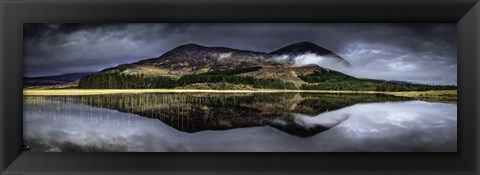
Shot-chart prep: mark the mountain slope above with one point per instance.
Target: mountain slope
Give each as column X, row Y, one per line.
column 192, row 65
column 198, row 57
column 53, row 80
column 194, row 58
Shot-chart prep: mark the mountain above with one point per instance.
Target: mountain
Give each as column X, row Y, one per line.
column 193, row 59
column 215, row 58
column 200, row 67
column 53, row 80
column 292, row 51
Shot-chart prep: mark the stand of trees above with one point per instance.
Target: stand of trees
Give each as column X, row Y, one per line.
column 123, row 81
column 339, row 81
column 315, row 81
column 317, row 77
column 372, row 86
column 233, row 71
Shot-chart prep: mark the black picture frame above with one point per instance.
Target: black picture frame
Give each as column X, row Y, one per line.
column 465, row 13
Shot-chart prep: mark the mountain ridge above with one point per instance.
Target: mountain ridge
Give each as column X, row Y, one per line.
column 302, row 48
column 53, row 79
column 193, row 58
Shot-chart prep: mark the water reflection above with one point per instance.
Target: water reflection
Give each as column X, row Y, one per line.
column 206, row 111
column 237, row 122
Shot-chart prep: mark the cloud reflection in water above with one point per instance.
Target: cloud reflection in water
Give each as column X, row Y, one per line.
column 389, row 126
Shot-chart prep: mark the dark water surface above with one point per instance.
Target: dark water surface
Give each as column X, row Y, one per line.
column 238, row 122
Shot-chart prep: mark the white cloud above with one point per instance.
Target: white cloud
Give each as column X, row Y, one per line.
column 224, row 55
column 370, row 60
column 328, row 62
column 400, row 66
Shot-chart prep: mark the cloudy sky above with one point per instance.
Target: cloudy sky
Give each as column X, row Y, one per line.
column 421, row 52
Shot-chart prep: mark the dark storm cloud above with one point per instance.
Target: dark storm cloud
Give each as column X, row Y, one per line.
column 424, row 53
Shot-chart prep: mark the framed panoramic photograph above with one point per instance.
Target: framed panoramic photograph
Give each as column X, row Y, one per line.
column 161, row 87
column 221, row 87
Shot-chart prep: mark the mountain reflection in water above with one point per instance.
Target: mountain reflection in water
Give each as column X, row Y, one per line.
column 206, row 111
column 300, row 115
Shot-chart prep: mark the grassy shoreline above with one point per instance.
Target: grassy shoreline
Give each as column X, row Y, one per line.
column 449, row 96
column 432, row 95
column 47, row 92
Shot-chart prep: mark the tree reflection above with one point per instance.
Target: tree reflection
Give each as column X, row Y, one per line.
column 194, row 112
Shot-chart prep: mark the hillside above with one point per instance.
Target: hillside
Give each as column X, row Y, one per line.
column 194, row 59
column 201, row 67
column 53, row 80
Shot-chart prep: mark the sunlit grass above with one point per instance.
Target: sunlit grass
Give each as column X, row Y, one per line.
column 433, row 95
column 62, row 92
column 427, row 93
column 66, row 92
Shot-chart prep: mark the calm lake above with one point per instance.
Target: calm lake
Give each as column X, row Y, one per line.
column 238, row 122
